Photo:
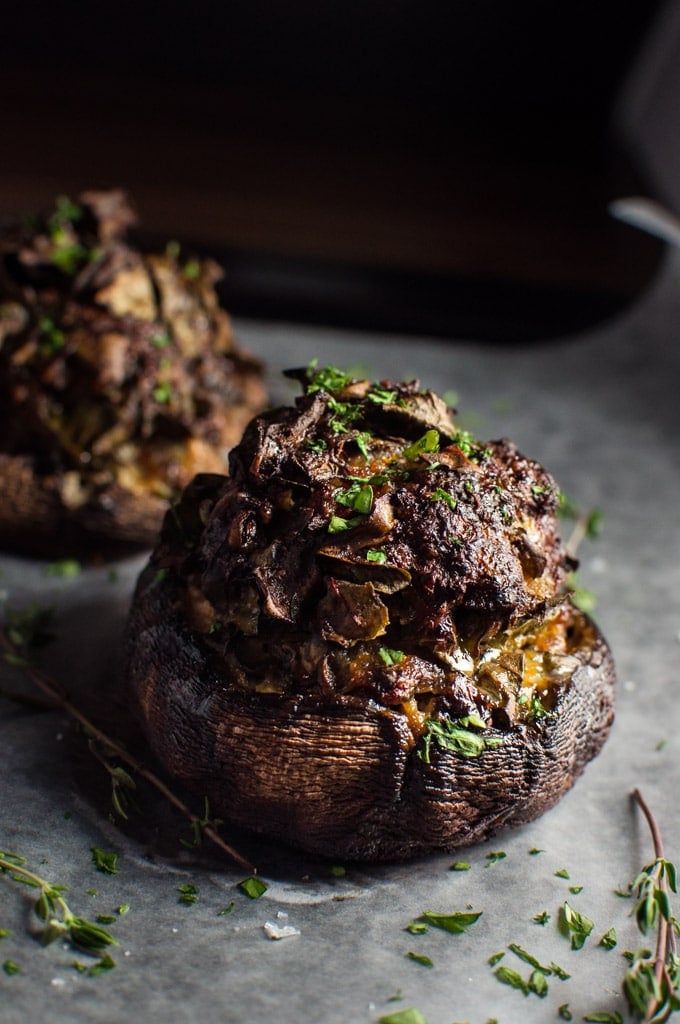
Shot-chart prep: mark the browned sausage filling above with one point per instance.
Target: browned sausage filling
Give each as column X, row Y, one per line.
column 115, row 366
column 365, row 548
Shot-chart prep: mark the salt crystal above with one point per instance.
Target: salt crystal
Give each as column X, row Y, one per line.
column 58, row 982
column 282, row 915
column 275, row 931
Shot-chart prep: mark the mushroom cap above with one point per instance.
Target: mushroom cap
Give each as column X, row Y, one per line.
column 359, row 642
column 341, row 776
column 120, row 378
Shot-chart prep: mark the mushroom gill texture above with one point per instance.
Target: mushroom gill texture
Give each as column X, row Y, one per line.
column 119, row 376
column 360, row 642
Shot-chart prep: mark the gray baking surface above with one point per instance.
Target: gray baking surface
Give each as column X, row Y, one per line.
column 600, row 410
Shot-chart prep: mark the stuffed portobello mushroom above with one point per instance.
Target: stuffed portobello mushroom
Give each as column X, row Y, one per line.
column 119, row 377
column 360, row 642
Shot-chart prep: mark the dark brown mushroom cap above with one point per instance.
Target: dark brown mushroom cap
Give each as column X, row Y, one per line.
column 341, row 777
column 119, row 376
column 359, row 641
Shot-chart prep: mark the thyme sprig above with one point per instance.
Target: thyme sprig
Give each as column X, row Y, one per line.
column 51, row 907
column 18, row 651
column 652, row 981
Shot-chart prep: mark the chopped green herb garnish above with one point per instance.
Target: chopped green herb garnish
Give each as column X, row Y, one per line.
column 10, row 967
column 441, row 495
column 338, row 871
column 604, row 1018
column 409, row 1016
column 188, row 893
column 105, row 918
column 316, row 445
column 575, row 889
column 456, row 737
column 390, row 656
column 124, row 908
column 494, row 857
column 226, row 910
column 192, row 269
column 381, row 396
column 28, row 628
column 514, row 979
column 338, row 525
column 562, row 873
column 107, row 863
column 376, row 555
column 417, row 928
column 419, row 958
column 329, row 378
column 162, row 393
column 538, row 984
column 608, row 940
column 576, row 925
column 533, row 706
column 361, row 441
column 65, row 212
column 66, row 568
column 534, row 851
column 252, row 887
column 496, row 958
column 358, row 497
column 160, row 340
column 52, row 338
column 584, row 599
column 564, row 1013
column 460, row 865
column 559, row 972
column 455, row 923
column 541, row 918
column 594, row 524
column 528, row 958
column 5, row 933
column 104, row 963
column 429, row 442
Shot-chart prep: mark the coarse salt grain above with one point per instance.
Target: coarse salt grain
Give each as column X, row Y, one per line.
column 275, row 931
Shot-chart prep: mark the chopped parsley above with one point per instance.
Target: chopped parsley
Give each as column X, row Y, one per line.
column 391, row 656
column 162, row 393
column 577, row 926
column 409, row 1016
column 441, row 495
column 52, row 338
column 253, row 887
column 419, row 958
column 65, row 568
column 429, row 442
column 377, row 555
column 358, row 497
column 105, row 862
column 329, row 378
column 455, row 923
column 338, row 525
column 457, row 737
column 188, row 893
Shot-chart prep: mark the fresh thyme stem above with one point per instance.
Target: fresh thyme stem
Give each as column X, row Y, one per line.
column 54, row 691
column 665, row 951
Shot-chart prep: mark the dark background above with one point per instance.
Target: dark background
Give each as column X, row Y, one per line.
column 418, row 166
